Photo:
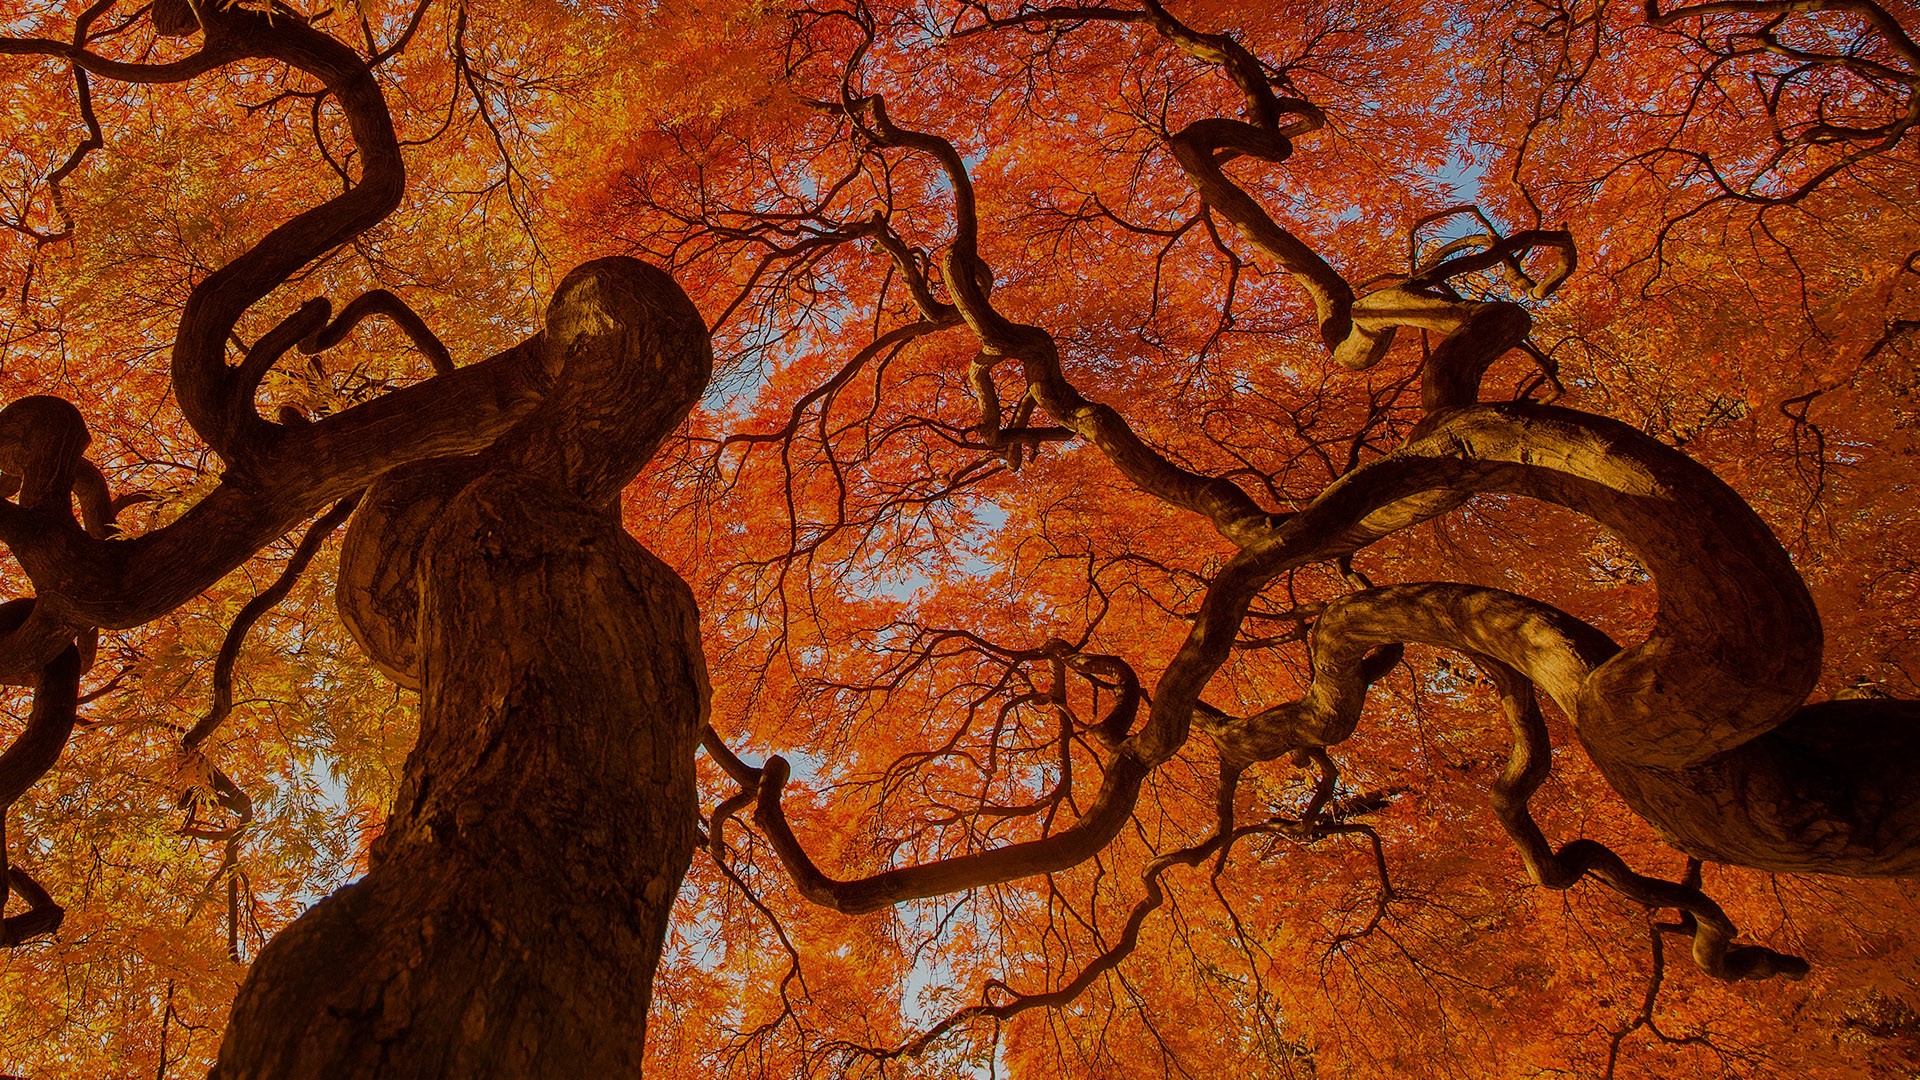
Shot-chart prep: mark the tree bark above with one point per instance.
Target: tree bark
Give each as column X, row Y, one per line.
column 515, row 908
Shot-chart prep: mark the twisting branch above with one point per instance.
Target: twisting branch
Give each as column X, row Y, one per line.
column 42, row 917
column 265, row 601
column 381, row 302
column 1358, row 331
column 204, row 384
column 202, row 381
column 969, row 281
column 279, row 475
column 1521, row 643
column 1562, row 868
column 49, row 724
column 1093, row 831
column 305, row 322
column 26, row 760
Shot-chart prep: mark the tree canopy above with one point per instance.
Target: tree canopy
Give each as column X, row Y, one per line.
column 1139, row 468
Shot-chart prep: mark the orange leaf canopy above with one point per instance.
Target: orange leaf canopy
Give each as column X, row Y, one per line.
column 926, row 585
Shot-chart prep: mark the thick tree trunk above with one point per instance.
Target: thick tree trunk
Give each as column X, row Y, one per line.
column 515, row 909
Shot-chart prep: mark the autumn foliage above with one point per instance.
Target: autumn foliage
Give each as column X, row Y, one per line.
column 1013, row 516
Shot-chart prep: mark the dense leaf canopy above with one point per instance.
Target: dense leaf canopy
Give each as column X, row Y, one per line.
column 1155, row 458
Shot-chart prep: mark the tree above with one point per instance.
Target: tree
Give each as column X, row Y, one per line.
column 1027, row 508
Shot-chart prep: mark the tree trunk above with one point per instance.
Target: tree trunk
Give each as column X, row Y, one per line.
column 514, row 910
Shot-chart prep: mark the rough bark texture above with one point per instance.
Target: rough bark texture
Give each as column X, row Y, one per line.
column 515, row 908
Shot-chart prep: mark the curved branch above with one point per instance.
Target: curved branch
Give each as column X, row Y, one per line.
column 203, row 383
column 56, row 696
column 969, row 280
column 280, row 476
column 42, row 916
column 1200, row 147
column 1527, row 767
column 306, row 320
column 84, row 581
column 1071, row 846
column 209, row 57
column 381, row 302
column 56, row 699
column 1668, row 508
column 303, row 554
column 1523, row 643
column 1699, row 727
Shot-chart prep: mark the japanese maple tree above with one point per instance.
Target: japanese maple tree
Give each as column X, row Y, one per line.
column 1118, row 481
